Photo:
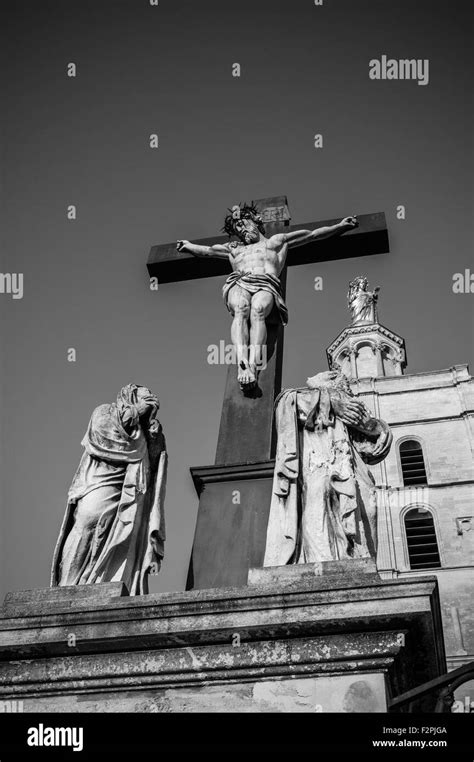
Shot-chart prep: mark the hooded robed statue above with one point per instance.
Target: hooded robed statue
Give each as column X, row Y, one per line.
column 114, row 526
column 323, row 499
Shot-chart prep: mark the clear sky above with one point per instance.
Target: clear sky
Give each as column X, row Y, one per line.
column 222, row 139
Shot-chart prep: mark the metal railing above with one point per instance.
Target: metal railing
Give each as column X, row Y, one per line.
column 434, row 696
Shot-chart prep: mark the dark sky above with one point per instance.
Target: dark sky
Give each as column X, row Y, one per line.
column 84, row 141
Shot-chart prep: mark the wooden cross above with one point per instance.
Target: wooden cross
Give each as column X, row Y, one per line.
column 245, row 434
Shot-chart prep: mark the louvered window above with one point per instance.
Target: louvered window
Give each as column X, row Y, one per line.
column 413, row 463
column 421, row 539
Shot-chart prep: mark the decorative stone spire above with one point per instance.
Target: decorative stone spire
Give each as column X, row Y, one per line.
column 366, row 348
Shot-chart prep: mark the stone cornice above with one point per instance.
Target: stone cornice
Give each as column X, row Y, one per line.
column 360, row 330
column 203, row 475
column 316, row 627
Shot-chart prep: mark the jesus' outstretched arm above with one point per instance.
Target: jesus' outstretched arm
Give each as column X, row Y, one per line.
column 298, row 237
column 218, row 250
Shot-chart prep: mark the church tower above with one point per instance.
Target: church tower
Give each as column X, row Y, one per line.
column 425, row 486
column 366, row 348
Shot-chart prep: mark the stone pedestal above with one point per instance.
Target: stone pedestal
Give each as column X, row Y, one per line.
column 344, row 572
column 311, row 644
column 231, row 527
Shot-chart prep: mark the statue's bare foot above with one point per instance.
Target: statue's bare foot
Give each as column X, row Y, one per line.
column 246, row 377
column 255, row 372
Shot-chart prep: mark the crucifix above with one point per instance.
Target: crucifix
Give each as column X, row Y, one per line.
column 235, row 492
column 253, row 289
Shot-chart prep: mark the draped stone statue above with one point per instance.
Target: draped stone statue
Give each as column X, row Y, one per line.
column 323, row 499
column 114, row 526
column 362, row 303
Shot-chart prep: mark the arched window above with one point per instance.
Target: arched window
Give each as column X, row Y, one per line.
column 412, row 462
column 422, row 544
column 344, row 362
column 388, row 360
column 365, row 360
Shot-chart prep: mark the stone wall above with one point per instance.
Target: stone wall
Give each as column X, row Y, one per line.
column 437, row 409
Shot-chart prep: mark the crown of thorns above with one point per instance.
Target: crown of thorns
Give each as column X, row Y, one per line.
column 242, row 212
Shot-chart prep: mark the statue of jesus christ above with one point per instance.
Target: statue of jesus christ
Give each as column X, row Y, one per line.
column 254, row 287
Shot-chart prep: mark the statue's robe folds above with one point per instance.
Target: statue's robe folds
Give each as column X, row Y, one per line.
column 114, row 526
column 323, row 499
column 362, row 306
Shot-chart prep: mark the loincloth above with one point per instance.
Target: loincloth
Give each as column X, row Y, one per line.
column 254, row 283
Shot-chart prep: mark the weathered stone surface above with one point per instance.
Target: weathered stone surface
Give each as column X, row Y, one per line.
column 435, row 408
column 239, row 648
column 337, row 693
column 31, row 602
column 347, row 571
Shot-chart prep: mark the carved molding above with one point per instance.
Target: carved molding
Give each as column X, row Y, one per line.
column 365, row 329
